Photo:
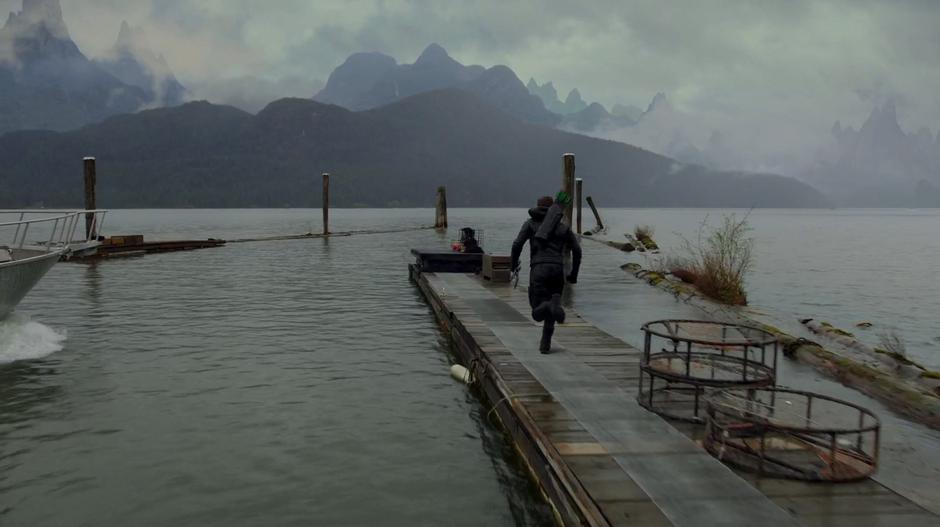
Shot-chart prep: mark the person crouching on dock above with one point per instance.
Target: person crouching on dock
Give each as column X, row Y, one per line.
column 548, row 239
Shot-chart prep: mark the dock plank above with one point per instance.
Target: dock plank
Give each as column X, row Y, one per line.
column 599, row 457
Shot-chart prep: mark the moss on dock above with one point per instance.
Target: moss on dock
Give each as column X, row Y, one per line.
column 838, row 331
column 898, row 357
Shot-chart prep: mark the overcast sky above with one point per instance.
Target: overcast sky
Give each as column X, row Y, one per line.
column 794, row 65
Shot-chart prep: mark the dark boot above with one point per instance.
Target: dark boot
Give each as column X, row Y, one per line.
column 558, row 312
column 543, row 312
column 548, row 329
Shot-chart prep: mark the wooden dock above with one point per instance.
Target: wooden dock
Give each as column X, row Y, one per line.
column 597, row 456
column 121, row 246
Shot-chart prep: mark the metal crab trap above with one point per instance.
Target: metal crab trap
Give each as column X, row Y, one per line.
column 685, row 359
column 470, row 241
column 792, row 434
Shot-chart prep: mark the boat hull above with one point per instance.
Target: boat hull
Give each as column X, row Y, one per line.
column 18, row 277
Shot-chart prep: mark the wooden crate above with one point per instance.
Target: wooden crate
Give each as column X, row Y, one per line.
column 497, row 268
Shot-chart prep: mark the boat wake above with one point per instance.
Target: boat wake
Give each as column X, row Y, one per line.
column 24, row 339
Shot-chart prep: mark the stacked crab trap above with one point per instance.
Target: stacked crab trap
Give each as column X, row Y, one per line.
column 683, row 360
column 724, row 376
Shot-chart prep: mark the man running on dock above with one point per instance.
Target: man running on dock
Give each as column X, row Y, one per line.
column 548, row 239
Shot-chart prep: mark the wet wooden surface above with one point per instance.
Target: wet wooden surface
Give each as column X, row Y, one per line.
column 603, row 481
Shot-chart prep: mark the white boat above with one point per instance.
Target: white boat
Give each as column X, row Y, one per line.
column 34, row 241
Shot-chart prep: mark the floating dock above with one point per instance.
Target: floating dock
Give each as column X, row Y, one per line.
column 134, row 245
column 601, row 459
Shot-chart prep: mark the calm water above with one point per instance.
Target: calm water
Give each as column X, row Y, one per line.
column 842, row 266
column 281, row 383
column 299, row 382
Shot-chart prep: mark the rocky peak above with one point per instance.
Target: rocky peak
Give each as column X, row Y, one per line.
column 659, row 102
column 133, row 41
column 433, row 54
column 836, row 130
column 501, row 73
column 355, row 77
column 36, row 34
column 546, row 92
column 882, row 124
column 127, row 37
column 842, row 134
column 574, row 97
column 37, row 14
column 574, row 103
column 134, row 62
column 596, row 110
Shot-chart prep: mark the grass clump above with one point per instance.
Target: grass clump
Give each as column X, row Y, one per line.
column 719, row 260
column 643, row 231
column 644, row 234
column 682, row 268
column 685, row 274
column 837, row 331
column 893, row 346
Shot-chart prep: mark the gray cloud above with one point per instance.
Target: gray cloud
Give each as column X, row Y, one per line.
column 761, row 72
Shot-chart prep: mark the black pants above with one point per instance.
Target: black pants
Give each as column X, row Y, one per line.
column 545, row 280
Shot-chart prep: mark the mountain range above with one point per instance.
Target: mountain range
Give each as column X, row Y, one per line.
column 877, row 165
column 880, row 164
column 549, row 96
column 370, row 80
column 47, row 83
column 205, row 155
column 134, row 62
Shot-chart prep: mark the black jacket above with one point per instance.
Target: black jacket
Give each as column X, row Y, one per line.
column 550, row 251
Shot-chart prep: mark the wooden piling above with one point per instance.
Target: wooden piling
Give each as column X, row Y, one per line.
column 326, row 204
column 440, row 214
column 90, row 198
column 567, row 184
column 597, row 215
column 579, row 186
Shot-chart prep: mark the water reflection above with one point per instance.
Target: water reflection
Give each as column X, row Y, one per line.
column 93, row 281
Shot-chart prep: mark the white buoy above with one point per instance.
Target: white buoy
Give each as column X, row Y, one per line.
column 461, row 374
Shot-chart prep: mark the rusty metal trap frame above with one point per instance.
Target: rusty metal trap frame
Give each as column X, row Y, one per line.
column 792, row 434
column 471, row 235
column 685, row 359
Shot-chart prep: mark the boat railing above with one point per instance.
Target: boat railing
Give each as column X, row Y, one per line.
column 53, row 230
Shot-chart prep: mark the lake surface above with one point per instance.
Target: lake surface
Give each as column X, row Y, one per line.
column 299, row 382
column 280, row 383
column 841, row 266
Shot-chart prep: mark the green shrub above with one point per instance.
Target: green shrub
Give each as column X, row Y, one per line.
column 721, row 258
